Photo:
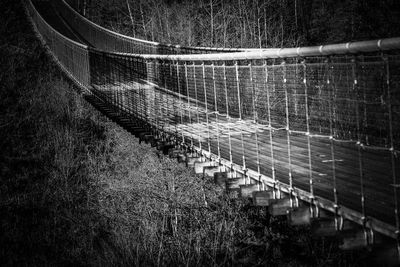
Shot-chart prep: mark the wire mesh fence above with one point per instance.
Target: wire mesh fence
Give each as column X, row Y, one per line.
column 73, row 57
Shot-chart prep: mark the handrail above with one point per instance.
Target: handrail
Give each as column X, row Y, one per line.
column 254, row 53
column 323, row 50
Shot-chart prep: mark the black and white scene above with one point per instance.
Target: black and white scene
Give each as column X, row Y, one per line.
column 200, row 133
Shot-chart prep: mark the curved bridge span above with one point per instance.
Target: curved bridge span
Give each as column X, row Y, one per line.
column 319, row 124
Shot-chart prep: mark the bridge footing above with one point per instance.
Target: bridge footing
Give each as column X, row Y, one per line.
column 210, row 171
column 300, row 216
column 246, row 191
column 174, row 152
column 199, row 166
column 355, row 239
column 192, row 160
column 165, row 146
column 263, row 198
column 280, row 207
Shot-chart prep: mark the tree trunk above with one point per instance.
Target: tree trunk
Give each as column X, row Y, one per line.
column 143, row 20
column 212, row 22
column 131, row 17
column 84, row 7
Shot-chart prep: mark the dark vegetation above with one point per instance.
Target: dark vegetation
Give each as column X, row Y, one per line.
column 247, row 23
column 77, row 190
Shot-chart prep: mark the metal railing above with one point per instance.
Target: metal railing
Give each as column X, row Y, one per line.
column 71, row 56
column 320, row 123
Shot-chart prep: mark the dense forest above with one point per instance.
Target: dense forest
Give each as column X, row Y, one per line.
column 247, row 23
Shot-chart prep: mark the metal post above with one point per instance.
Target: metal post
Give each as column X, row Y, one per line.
column 227, row 113
column 173, row 101
column 113, row 78
column 107, row 94
column 216, row 110
column 157, row 103
column 360, row 145
column 136, row 100
column 271, row 140
column 392, row 151
column 165, row 101
column 180, row 102
column 206, row 103
column 197, row 102
column 255, row 116
column 188, row 103
column 118, row 85
column 240, row 119
column 287, row 126
column 308, row 129
column 331, row 88
column 365, row 120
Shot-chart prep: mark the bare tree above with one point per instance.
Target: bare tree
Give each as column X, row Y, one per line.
column 131, row 17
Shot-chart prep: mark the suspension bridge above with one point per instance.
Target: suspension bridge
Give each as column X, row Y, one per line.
column 319, row 125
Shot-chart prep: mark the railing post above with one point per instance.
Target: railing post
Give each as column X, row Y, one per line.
column 164, row 102
column 310, row 169
column 119, row 84
column 136, row 92
column 173, row 88
column 271, row 139
column 355, row 89
column 240, row 120
column 180, row 101
column 228, row 118
column 197, row 102
column 206, row 104
column 288, row 131
column 365, row 120
column 140, row 98
column 255, row 117
column 112, row 82
column 392, row 150
column 188, row 103
column 331, row 88
column 132, row 78
column 88, row 81
column 216, row 110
